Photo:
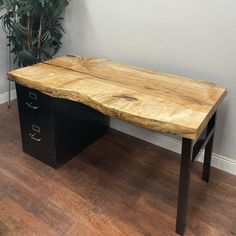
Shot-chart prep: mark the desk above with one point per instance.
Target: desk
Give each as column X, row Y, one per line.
column 78, row 94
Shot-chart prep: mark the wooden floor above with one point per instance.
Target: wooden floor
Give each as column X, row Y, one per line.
column 119, row 186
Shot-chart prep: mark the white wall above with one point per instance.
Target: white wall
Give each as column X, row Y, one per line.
column 196, row 39
column 3, row 62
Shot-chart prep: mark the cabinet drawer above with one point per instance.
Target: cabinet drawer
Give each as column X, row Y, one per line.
column 33, row 103
column 36, row 134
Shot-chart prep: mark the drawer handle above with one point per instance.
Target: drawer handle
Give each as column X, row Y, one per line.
column 30, row 105
column 33, row 136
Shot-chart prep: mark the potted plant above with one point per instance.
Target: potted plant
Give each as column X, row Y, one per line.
column 34, row 28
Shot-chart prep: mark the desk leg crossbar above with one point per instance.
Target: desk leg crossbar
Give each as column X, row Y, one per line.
column 190, row 152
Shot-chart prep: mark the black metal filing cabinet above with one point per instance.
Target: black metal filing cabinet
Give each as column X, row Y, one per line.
column 55, row 130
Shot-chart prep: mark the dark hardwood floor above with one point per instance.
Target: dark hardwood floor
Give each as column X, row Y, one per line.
column 118, row 186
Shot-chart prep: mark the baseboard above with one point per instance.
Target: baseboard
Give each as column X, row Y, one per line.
column 168, row 142
column 4, row 96
column 218, row 161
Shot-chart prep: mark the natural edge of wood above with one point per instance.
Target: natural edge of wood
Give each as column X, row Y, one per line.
column 152, row 124
column 73, row 96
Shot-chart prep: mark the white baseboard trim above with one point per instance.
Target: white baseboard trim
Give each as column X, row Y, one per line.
column 165, row 141
column 218, row 161
column 4, row 96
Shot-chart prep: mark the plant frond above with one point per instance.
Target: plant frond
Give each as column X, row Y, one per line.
column 33, row 27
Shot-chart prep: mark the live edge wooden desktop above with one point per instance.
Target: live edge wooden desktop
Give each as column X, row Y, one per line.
column 65, row 105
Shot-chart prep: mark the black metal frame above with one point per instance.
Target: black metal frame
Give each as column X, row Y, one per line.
column 190, row 152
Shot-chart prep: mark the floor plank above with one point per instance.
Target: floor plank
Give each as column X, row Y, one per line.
column 118, row 186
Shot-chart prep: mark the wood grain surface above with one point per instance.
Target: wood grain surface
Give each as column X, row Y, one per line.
column 157, row 101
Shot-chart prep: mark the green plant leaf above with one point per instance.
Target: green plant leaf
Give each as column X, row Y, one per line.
column 33, row 27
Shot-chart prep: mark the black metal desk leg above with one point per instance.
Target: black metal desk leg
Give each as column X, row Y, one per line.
column 184, row 182
column 207, row 160
column 208, row 150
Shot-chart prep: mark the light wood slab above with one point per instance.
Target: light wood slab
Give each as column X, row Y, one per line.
column 157, row 101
